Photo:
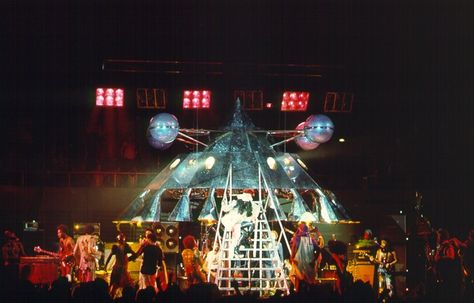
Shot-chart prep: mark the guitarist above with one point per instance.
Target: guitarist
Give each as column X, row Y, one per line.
column 65, row 253
column 386, row 258
column 66, row 248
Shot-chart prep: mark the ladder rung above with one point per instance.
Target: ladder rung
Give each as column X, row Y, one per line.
column 251, row 279
column 247, row 259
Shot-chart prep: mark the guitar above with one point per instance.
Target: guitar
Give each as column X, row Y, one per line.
column 382, row 264
column 67, row 261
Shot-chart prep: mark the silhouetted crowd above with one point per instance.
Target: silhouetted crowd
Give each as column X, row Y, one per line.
column 61, row 290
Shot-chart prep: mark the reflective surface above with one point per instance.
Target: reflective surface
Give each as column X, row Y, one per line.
column 319, row 128
column 245, row 151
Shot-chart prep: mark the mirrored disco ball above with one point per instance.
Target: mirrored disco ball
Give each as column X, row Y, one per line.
column 164, row 127
column 319, row 128
column 304, row 142
column 157, row 143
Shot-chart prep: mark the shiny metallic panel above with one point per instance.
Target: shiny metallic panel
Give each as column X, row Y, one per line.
column 182, row 210
column 209, row 209
column 298, row 207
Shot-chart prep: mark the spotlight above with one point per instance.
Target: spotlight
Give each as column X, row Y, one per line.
column 294, row 101
column 110, row 97
column 196, row 99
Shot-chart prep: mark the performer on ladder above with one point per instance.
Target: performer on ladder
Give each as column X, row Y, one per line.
column 239, row 217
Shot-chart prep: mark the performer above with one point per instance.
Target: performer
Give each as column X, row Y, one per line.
column 120, row 276
column 386, row 258
column 304, row 253
column 86, row 254
column 12, row 250
column 192, row 261
column 316, row 234
column 367, row 245
column 152, row 258
column 66, row 252
column 448, row 264
column 239, row 217
column 468, row 258
column 212, row 262
column 338, row 257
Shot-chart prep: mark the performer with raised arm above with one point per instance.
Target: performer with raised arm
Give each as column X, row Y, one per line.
column 86, row 254
column 239, row 216
column 152, row 259
column 120, row 276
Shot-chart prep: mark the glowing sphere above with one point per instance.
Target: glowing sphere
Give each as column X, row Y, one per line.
column 164, row 128
column 157, row 143
column 304, row 142
column 318, row 128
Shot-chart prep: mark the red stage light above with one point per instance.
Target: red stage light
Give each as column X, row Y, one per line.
column 294, row 101
column 196, row 99
column 112, row 97
column 268, row 105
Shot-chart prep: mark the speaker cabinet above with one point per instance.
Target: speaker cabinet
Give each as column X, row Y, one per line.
column 168, row 236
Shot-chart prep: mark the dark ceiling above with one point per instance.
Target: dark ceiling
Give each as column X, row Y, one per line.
column 409, row 63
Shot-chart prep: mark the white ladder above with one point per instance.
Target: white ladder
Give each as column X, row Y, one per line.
column 260, row 265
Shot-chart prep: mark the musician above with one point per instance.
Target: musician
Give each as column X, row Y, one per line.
column 12, row 250
column 239, row 217
column 86, row 254
column 66, row 251
column 338, row 257
column 304, row 253
column 192, row 261
column 468, row 257
column 152, row 258
column 367, row 244
column 385, row 258
column 212, row 262
column 120, row 276
column 448, row 269
column 316, row 234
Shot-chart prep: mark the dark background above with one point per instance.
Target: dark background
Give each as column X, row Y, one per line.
column 409, row 64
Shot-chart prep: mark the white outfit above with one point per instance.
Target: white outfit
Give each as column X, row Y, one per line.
column 86, row 254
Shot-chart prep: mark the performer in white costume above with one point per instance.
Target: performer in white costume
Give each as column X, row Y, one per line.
column 239, row 217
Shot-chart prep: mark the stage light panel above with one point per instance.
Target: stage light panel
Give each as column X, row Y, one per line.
column 294, row 101
column 196, row 99
column 109, row 97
